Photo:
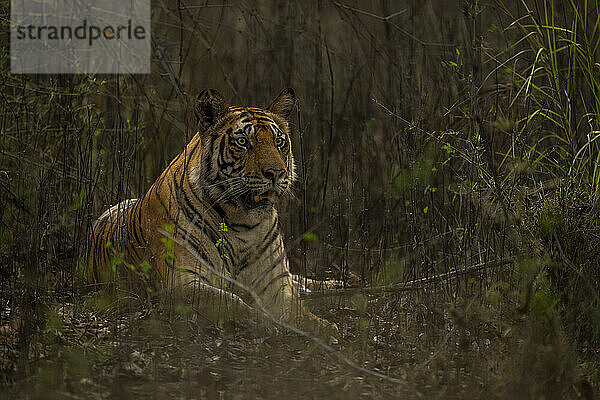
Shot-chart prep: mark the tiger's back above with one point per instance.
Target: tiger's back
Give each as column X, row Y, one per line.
column 115, row 232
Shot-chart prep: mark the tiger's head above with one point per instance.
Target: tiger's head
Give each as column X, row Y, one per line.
column 247, row 162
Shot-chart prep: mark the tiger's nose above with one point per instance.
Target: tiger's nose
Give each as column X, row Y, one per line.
column 274, row 175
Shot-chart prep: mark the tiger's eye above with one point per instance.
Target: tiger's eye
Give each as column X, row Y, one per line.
column 279, row 141
column 242, row 141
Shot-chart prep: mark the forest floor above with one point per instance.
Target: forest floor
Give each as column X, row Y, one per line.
column 428, row 350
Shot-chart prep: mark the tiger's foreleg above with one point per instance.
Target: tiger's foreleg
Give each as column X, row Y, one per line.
column 276, row 292
column 214, row 304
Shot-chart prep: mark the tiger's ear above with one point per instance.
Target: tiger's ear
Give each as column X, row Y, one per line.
column 210, row 107
column 284, row 103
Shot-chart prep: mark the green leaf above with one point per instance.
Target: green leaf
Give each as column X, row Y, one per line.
column 310, row 237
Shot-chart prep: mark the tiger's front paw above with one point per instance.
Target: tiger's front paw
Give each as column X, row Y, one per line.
column 320, row 327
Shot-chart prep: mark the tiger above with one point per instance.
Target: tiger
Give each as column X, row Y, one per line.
column 210, row 219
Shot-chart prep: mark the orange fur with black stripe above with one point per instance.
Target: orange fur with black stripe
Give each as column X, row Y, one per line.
column 218, row 195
